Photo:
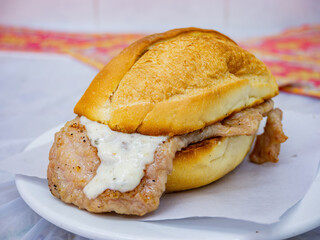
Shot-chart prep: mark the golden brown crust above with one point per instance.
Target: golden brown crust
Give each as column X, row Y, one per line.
column 205, row 162
column 176, row 82
column 92, row 104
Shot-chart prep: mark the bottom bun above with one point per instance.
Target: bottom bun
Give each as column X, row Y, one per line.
column 205, row 162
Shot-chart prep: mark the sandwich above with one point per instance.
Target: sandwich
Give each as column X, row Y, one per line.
column 173, row 111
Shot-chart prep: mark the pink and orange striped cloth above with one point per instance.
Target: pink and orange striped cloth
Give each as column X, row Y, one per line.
column 293, row 56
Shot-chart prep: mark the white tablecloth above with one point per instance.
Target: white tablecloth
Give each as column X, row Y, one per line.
column 38, row 92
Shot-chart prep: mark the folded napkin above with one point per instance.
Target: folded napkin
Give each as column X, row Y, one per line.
column 256, row 193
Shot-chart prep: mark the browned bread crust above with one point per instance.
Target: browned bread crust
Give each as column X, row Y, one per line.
column 207, row 161
column 176, row 82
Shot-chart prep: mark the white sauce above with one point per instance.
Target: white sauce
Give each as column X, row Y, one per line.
column 123, row 158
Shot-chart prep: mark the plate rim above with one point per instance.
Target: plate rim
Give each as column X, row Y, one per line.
column 20, row 181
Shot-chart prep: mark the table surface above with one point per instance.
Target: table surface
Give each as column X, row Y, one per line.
column 38, row 92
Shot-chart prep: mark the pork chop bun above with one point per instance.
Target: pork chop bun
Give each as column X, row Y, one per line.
column 175, row 83
column 173, row 111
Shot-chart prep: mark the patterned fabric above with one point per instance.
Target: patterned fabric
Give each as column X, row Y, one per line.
column 293, row 56
column 93, row 49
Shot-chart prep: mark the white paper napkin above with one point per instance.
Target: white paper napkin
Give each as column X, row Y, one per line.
column 257, row 193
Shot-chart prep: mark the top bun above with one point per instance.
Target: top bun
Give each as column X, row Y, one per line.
column 176, row 82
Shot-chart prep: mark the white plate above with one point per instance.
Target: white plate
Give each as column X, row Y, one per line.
column 303, row 217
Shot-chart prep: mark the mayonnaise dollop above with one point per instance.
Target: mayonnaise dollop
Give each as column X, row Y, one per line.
column 123, row 158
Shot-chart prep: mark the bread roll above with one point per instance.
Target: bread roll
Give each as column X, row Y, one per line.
column 207, row 161
column 176, row 82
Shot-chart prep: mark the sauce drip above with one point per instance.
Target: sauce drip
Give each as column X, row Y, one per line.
column 123, row 157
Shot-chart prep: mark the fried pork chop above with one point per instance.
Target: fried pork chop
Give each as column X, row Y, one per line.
column 267, row 147
column 74, row 161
